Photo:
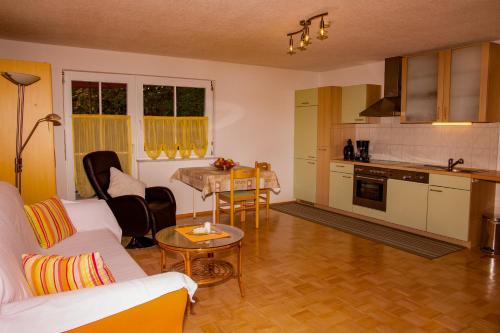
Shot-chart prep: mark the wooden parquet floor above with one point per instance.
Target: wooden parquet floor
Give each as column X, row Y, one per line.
column 304, row 277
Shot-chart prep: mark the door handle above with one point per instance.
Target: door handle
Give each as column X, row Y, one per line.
column 339, row 166
column 378, row 180
column 359, row 119
column 311, row 156
column 348, row 177
column 304, row 103
column 311, row 163
column 433, row 190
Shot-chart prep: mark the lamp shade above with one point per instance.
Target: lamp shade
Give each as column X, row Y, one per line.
column 20, row 78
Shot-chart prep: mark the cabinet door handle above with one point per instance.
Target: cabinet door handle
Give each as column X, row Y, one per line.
column 359, row 119
column 311, row 163
column 349, row 177
column 433, row 190
column 311, row 156
column 304, row 103
column 339, row 166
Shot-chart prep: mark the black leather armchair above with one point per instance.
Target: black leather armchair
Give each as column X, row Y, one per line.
column 135, row 215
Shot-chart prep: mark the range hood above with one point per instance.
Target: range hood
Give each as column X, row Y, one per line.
column 390, row 105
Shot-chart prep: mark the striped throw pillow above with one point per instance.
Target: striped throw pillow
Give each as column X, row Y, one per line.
column 53, row 274
column 50, row 222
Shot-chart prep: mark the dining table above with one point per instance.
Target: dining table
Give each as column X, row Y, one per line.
column 209, row 180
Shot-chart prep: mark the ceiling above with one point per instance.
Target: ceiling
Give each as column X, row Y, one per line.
column 253, row 31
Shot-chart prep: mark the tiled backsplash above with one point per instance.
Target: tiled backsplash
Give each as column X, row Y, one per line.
column 428, row 144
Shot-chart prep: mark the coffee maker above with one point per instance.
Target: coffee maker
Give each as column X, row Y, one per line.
column 363, row 150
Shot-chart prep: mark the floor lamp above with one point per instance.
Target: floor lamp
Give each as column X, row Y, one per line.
column 22, row 80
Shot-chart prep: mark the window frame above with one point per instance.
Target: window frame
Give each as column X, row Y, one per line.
column 142, row 80
column 134, row 110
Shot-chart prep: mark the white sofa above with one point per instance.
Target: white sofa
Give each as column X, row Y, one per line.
column 97, row 230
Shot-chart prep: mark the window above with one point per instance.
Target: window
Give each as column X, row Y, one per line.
column 139, row 117
column 176, row 115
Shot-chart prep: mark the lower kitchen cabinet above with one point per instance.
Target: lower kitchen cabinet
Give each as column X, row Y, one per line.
column 341, row 189
column 448, row 212
column 304, row 179
column 407, row 203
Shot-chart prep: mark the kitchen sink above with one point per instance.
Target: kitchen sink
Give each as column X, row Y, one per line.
column 444, row 168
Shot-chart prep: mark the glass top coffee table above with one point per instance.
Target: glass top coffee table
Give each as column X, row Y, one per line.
column 199, row 262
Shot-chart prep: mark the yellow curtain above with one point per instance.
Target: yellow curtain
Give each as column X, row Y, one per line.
column 170, row 134
column 99, row 132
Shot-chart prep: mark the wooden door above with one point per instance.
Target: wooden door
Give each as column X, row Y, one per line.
column 38, row 176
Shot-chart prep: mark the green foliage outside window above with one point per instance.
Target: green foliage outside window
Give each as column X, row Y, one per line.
column 158, row 100
column 190, row 102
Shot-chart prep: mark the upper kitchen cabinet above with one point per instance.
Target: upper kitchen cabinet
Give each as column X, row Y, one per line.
column 419, row 88
column 356, row 99
column 473, row 75
column 452, row 85
column 306, row 97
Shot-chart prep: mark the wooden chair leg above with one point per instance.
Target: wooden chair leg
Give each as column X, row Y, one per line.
column 217, row 208
column 267, row 205
column 257, row 205
column 231, row 211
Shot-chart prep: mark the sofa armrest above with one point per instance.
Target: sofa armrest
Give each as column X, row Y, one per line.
column 92, row 214
column 160, row 193
column 69, row 310
column 163, row 314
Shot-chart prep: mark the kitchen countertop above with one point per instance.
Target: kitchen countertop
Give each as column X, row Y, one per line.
column 481, row 174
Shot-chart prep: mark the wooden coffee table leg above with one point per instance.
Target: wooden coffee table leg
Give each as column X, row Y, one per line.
column 163, row 264
column 240, row 281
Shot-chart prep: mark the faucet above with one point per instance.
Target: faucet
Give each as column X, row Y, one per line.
column 452, row 164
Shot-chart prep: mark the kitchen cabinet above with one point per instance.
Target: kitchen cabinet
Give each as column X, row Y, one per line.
column 419, row 89
column 356, row 99
column 448, row 211
column 306, row 97
column 407, row 203
column 315, row 111
column 304, row 179
column 305, row 135
column 341, row 186
column 452, row 85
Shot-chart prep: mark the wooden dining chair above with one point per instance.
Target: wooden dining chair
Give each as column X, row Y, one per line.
column 240, row 200
column 265, row 193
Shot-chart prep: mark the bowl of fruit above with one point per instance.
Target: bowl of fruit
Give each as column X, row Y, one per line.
column 224, row 164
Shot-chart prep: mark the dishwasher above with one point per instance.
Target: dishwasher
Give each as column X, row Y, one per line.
column 407, row 193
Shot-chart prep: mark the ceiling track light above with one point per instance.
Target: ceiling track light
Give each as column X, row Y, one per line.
column 305, row 37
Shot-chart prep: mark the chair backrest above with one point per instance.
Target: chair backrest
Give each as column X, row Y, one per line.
column 250, row 174
column 263, row 165
column 97, row 165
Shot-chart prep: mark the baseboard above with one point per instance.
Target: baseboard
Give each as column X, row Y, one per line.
column 187, row 215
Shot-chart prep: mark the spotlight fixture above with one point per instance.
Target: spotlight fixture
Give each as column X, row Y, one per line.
column 305, row 38
column 290, row 47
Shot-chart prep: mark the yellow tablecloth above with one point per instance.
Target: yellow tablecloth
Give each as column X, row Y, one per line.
column 185, row 231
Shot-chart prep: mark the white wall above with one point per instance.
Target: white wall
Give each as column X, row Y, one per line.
column 253, row 107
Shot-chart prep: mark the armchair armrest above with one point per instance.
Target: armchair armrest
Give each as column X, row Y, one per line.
column 160, row 193
column 69, row 310
column 92, row 214
column 132, row 214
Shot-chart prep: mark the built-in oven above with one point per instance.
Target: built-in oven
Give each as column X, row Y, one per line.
column 370, row 187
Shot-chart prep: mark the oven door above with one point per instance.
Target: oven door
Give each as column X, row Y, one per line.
column 370, row 192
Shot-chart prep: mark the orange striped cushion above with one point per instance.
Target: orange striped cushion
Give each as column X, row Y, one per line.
column 53, row 274
column 50, row 222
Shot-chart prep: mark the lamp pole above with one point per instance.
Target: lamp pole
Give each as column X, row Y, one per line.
column 21, row 80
